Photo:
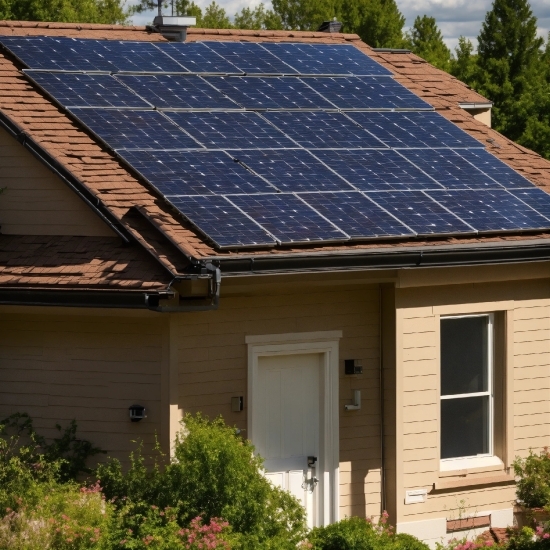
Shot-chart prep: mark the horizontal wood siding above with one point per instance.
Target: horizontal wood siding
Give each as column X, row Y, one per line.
column 89, row 369
column 418, row 435
column 213, row 367
column 36, row 202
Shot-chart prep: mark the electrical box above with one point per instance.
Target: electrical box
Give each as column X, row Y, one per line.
column 353, row 366
column 237, row 404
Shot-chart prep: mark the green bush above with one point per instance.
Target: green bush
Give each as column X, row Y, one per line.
column 359, row 534
column 214, row 474
column 533, row 479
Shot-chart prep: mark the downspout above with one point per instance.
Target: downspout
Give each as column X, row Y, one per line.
column 381, row 389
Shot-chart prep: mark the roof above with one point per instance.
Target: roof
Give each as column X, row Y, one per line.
column 126, row 199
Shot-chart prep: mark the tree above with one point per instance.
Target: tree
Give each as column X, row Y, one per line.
column 425, row 40
column 67, row 11
column 214, row 17
column 511, row 69
column 464, row 62
column 258, row 18
column 379, row 23
column 304, row 15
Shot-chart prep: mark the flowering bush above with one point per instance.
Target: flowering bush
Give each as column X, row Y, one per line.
column 533, row 479
column 205, row 537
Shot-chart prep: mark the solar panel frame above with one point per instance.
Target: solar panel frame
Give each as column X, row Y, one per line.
column 301, row 224
column 536, row 198
column 222, row 223
column 374, row 93
column 357, row 215
column 82, row 90
column 413, row 129
column 292, row 170
column 178, row 92
column 231, row 130
column 186, row 173
column 449, row 168
column 491, row 210
column 421, row 213
column 271, row 92
column 325, row 59
column 143, row 129
column 251, row 58
column 326, row 130
column 196, row 57
column 375, row 169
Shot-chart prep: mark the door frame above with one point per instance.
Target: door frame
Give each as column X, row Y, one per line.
column 326, row 344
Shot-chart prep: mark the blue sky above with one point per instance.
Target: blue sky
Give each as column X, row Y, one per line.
column 454, row 17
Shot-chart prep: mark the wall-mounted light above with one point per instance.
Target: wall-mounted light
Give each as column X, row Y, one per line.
column 237, row 404
column 137, row 413
column 353, row 366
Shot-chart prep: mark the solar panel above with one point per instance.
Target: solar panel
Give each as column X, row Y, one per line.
column 326, row 59
column 314, row 129
column 196, row 57
column 195, row 172
column 231, row 130
column 177, row 92
column 367, row 92
column 274, row 92
column 57, row 53
column 86, row 90
column 449, row 168
column 250, row 58
column 375, row 170
column 141, row 57
column 219, row 220
column 495, row 168
column 292, row 170
column 536, row 198
column 287, row 218
column 491, row 210
column 419, row 212
column 413, row 129
column 355, row 214
column 135, row 129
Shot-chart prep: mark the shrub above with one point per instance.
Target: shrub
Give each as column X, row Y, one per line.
column 359, row 534
column 533, row 479
column 214, row 474
column 529, row 539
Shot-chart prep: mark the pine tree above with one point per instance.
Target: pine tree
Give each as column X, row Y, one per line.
column 425, row 40
column 464, row 62
column 257, row 18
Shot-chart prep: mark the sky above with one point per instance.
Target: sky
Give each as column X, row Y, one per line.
column 454, row 17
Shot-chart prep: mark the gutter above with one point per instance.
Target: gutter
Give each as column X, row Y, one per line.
column 467, row 106
column 399, row 258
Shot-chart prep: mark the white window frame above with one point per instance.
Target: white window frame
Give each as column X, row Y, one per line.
column 489, row 458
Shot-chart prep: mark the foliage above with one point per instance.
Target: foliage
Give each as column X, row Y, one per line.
column 82, row 11
column 530, row 539
column 425, row 40
column 533, row 479
column 215, row 474
column 258, row 18
column 359, row 534
column 464, row 63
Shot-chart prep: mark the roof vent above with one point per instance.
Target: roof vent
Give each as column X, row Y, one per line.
column 173, row 28
column 330, row 26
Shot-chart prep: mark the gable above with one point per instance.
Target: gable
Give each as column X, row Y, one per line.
column 36, row 202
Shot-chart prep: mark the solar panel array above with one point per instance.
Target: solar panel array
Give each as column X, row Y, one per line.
column 275, row 144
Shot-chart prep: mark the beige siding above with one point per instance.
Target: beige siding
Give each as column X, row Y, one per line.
column 418, row 434
column 91, row 369
column 36, row 202
column 213, row 367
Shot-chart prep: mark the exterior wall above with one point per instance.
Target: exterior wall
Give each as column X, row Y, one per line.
column 36, row 202
column 213, row 365
column 59, row 367
column 526, row 306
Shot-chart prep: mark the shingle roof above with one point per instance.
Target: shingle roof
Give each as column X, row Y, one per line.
column 99, row 171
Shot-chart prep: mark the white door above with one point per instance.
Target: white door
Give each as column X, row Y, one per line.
column 286, row 425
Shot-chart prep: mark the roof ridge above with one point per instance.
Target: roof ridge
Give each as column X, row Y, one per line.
column 77, row 26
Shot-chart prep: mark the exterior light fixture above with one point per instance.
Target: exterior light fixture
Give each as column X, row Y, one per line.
column 137, row 413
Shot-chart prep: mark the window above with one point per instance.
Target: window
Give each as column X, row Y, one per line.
column 467, row 403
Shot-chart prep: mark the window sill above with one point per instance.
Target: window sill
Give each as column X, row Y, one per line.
column 474, row 481
column 469, row 463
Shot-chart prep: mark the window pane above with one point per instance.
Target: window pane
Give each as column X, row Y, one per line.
column 464, row 367
column 464, row 427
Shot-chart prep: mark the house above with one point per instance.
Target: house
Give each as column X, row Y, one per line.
column 404, row 371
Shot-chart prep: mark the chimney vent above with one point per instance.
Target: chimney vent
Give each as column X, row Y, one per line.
column 330, row 26
column 173, row 28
